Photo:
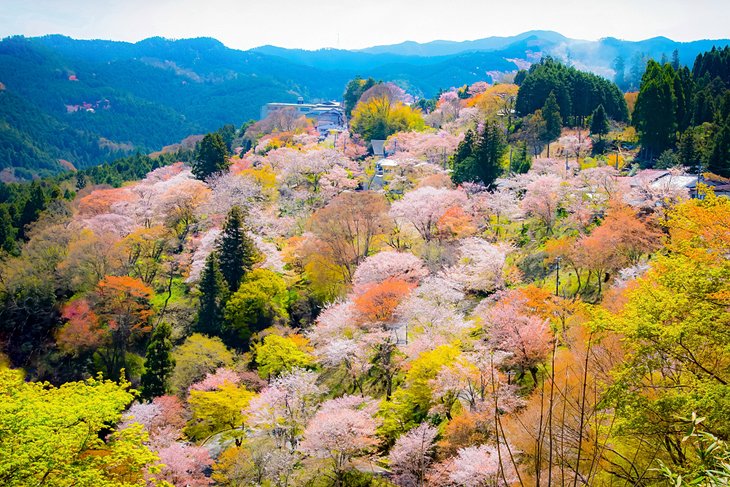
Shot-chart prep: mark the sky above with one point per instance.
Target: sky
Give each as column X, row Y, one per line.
column 348, row 24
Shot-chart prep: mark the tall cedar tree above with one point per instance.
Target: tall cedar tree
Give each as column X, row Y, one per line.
column 478, row 158
column 599, row 122
column 719, row 160
column 213, row 293
column 655, row 115
column 553, row 120
column 236, row 251
column 159, row 362
column 211, row 156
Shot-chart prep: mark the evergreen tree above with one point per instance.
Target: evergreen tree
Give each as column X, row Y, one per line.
column 619, row 66
column 655, row 115
column 7, row 231
column 675, row 59
column 483, row 162
column 213, row 293
column 599, row 122
column 211, row 156
column 236, row 251
column 33, row 207
column 159, row 362
column 553, row 120
column 689, row 151
column 719, row 161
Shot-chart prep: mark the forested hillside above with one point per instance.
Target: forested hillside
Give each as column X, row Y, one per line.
column 524, row 292
column 77, row 103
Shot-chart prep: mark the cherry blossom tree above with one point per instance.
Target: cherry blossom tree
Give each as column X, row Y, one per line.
column 229, row 190
column 389, row 265
column 544, row 196
column 185, row 464
column 284, row 408
column 342, row 429
column 213, row 381
column 424, row 207
column 477, row 466
column 480, row 266
column 412, row 454
column 527, row 337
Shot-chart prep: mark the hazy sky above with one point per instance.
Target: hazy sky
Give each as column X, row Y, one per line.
column 354, row 24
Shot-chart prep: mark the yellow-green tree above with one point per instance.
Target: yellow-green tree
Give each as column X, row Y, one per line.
column 279, row 354
column 381, row 117
column 676, row 329
column 54, row 436
column 217, row 411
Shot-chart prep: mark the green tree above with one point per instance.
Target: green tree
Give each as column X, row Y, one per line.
column 478, row 158
column 60, row 436
column 236, row 251
column 159, row 363
column 197, row 356
column 278, row 354
column 260, row 302
column 599, row 122
column 7, row 231
column 719, row 160
column 553, row 120
column 354, row 90
column 211, row 156
column 655, row 115
column 213, row 293
column 217, row 411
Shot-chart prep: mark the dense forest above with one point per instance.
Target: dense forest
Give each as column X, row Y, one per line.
column 533, row 291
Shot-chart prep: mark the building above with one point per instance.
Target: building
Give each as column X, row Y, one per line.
column 327, row 116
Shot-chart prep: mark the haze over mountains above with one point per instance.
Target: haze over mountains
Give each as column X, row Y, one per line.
column 89, row 101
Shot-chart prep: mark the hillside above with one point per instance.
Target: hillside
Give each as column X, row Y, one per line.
column 88, row 101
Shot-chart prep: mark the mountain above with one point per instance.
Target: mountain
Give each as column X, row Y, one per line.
column 88, row 101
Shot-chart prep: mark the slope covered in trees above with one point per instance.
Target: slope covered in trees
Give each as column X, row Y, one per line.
column 474, row 313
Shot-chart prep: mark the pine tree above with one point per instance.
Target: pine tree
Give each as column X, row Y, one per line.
column 599, row 122
column 213, row 293
column 675, row 60
column 159, row 362
column 211, row 156
column 719, row 161
column 553, row 120
column 236, row 251
column 655, row 115
column 483, row 162
column 7, row 231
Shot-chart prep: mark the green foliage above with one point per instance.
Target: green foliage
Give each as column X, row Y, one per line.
column 211, row 156
column 159, row 363
column 213, row 295
column 236, row 251
column 278, row 354
column 411, row 403
column 380, row 117
column 667, row 160
column 655, row 115
column 577, row 93
column 719, row 157
column 260, row 302
column 196, row 357
column 599, row 122
column 552, row 117
column 217, row 411
column 354, row 90
column 55, row 436
column 479, row 157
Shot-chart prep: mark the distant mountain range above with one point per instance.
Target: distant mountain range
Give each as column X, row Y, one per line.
column 85, row 101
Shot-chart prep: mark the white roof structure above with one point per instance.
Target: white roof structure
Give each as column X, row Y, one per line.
column 388, row 163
